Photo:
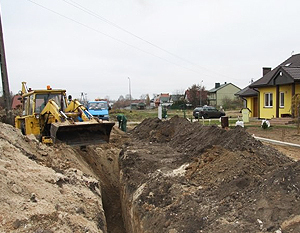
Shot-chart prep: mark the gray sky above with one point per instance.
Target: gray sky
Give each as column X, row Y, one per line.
column 164, row 46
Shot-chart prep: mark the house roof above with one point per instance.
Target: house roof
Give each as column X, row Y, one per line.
column 16, row 102
column 164, row 95
column 220, row 87
column 291, row 67
column 293, row 71
column 176, row 97
column 246, row 92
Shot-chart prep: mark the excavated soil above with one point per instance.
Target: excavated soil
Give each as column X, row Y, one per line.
column 163, row 176
column 58, row 188
column 179, row 176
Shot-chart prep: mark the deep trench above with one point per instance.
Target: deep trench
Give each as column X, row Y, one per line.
column 107, row 171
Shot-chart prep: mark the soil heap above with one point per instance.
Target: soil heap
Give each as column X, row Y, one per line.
column 178, row 176
column 46, row 189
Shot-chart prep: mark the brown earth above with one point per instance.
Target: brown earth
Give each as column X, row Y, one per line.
column 179, row 176
column 57, row 188
column 163, row 176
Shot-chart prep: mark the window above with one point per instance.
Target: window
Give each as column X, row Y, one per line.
column 42, row 99
column 25, row 107
column 30, row 109
column 268, row 99
column 98, row 106
column 281, row 99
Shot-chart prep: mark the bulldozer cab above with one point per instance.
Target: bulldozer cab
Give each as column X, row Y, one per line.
column 41, row 101
column 35, row 102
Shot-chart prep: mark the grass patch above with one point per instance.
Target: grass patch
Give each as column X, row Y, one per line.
column 140, row 115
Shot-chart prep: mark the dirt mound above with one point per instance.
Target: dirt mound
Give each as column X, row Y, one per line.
column 193, row 139
column 183, row 177
column 46, row 189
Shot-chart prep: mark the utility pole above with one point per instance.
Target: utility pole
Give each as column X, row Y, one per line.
column 4, row 76
column 200, row 93
column 129, row 92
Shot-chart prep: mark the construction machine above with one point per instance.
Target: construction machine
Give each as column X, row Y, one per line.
column 52, row 117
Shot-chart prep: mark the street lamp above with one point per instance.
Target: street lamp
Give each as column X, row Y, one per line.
column 200, row 93
column 129, row 92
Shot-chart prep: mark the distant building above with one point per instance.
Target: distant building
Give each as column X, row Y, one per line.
column 16, row 102
column 162, row 98
column 138, row 105
column 221, row 92
column 176, row 98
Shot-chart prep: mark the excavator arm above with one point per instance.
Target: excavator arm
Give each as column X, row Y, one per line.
column 76, row 107
column 52, row 111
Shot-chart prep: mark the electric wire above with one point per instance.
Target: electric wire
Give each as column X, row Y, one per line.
column 120, row 41
column 78, row 6
column 88, row 11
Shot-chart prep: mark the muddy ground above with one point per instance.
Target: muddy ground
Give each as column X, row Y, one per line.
column 163, row 176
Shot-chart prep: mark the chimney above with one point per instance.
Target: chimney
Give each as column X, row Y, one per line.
column 217, row 85
column 266, row 70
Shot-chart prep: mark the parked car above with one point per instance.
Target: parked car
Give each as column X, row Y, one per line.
column 207, row 112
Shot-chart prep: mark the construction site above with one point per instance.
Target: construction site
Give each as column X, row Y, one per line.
column 64, row 169
column 161, row 176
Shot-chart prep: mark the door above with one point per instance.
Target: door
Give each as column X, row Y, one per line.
column 254, row 108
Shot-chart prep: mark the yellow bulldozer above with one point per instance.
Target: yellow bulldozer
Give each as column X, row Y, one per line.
column 52, row 117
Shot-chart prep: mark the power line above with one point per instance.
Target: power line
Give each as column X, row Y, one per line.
column 116, row 39
column 88, row 11
column 124, row 30
column 98, row 31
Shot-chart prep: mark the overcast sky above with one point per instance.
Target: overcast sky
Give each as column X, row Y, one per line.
column 99, row 47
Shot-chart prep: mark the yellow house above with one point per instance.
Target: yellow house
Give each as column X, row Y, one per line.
column 275, row 90
column 250, row 97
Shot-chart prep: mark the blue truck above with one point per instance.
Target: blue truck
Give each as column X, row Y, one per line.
column 99, row 108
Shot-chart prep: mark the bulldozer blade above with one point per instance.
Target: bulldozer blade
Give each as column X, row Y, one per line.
column 81, row 133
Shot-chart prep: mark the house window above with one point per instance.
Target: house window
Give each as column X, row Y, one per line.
column 281, row 99
column 268, row 99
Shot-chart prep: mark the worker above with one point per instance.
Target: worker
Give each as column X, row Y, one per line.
column 43, row 105
column 122, row 122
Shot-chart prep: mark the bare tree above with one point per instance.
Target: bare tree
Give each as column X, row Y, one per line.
column 147, row 100
column 296, row 110
column 143, row 96
column 128, row 97
column 197, row 95
column 121, row 98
